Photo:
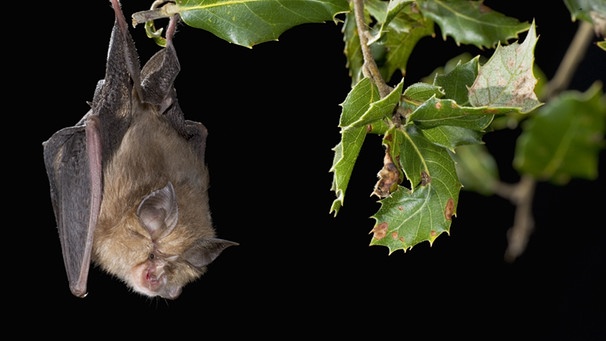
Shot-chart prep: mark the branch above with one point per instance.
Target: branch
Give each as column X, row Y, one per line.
column 572, row 58
column 370, row 69
column 521, row 195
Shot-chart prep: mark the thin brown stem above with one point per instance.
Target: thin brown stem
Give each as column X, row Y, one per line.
column 523, row 223
column 572, row 58
column 370, row 68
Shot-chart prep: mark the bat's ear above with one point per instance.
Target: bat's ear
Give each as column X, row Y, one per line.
column 158, row 212
column 205, row 251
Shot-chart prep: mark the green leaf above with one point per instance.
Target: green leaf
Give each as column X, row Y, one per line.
column 385, row 12
column 447, row 67
column 346, row 153
column 409, row 217
column 456, row 82
column 507, row 80
column 477, row 169
column 250, row 22
column 437, row 112
column 562, row 140
column 382, row 108
column 421, row 92
column 357, row 102
column 451, row 137
column 592, row 11
column 352, row 50
column 400, row 37
column 471, row 22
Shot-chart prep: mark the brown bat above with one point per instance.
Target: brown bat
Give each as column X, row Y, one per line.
column 129, row 182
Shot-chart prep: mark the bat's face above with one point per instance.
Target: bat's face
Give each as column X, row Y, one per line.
column 156, row 249
column 161, row 274
column 152, row 268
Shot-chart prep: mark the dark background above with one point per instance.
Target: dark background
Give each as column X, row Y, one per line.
column 272, row 115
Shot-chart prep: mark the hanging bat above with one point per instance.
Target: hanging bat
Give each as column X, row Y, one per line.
column 129, row 182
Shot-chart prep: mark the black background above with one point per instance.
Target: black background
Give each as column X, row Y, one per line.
column 272, row 115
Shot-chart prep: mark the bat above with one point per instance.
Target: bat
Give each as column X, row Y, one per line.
column 129, row 182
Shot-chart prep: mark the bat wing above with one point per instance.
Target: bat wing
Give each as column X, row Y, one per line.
column 72, row 157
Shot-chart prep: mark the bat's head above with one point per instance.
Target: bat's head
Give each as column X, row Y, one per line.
column 165, row 275
column 161, row 249
column 178, row 255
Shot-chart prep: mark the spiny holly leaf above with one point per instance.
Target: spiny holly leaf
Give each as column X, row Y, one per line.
column 562, row 140
column 423, row 150
column 346, row 153
column 382, row 108
column 455, row 84
column 356, row 104
column 507, row 80
column 409, row 217
column 471, row 22
column 247, row 22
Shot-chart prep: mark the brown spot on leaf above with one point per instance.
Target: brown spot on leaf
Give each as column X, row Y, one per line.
column 449, row 210
column 379, row 231
column 394, row 235
column 438, row 105
column 433, row 233
column 425, row 178
column 400, row 208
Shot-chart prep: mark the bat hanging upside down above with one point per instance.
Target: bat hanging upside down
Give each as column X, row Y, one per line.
column 129, row 181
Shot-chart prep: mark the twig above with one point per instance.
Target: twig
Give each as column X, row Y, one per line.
column 370, row 69
column 572, row 58
column 521, row 195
